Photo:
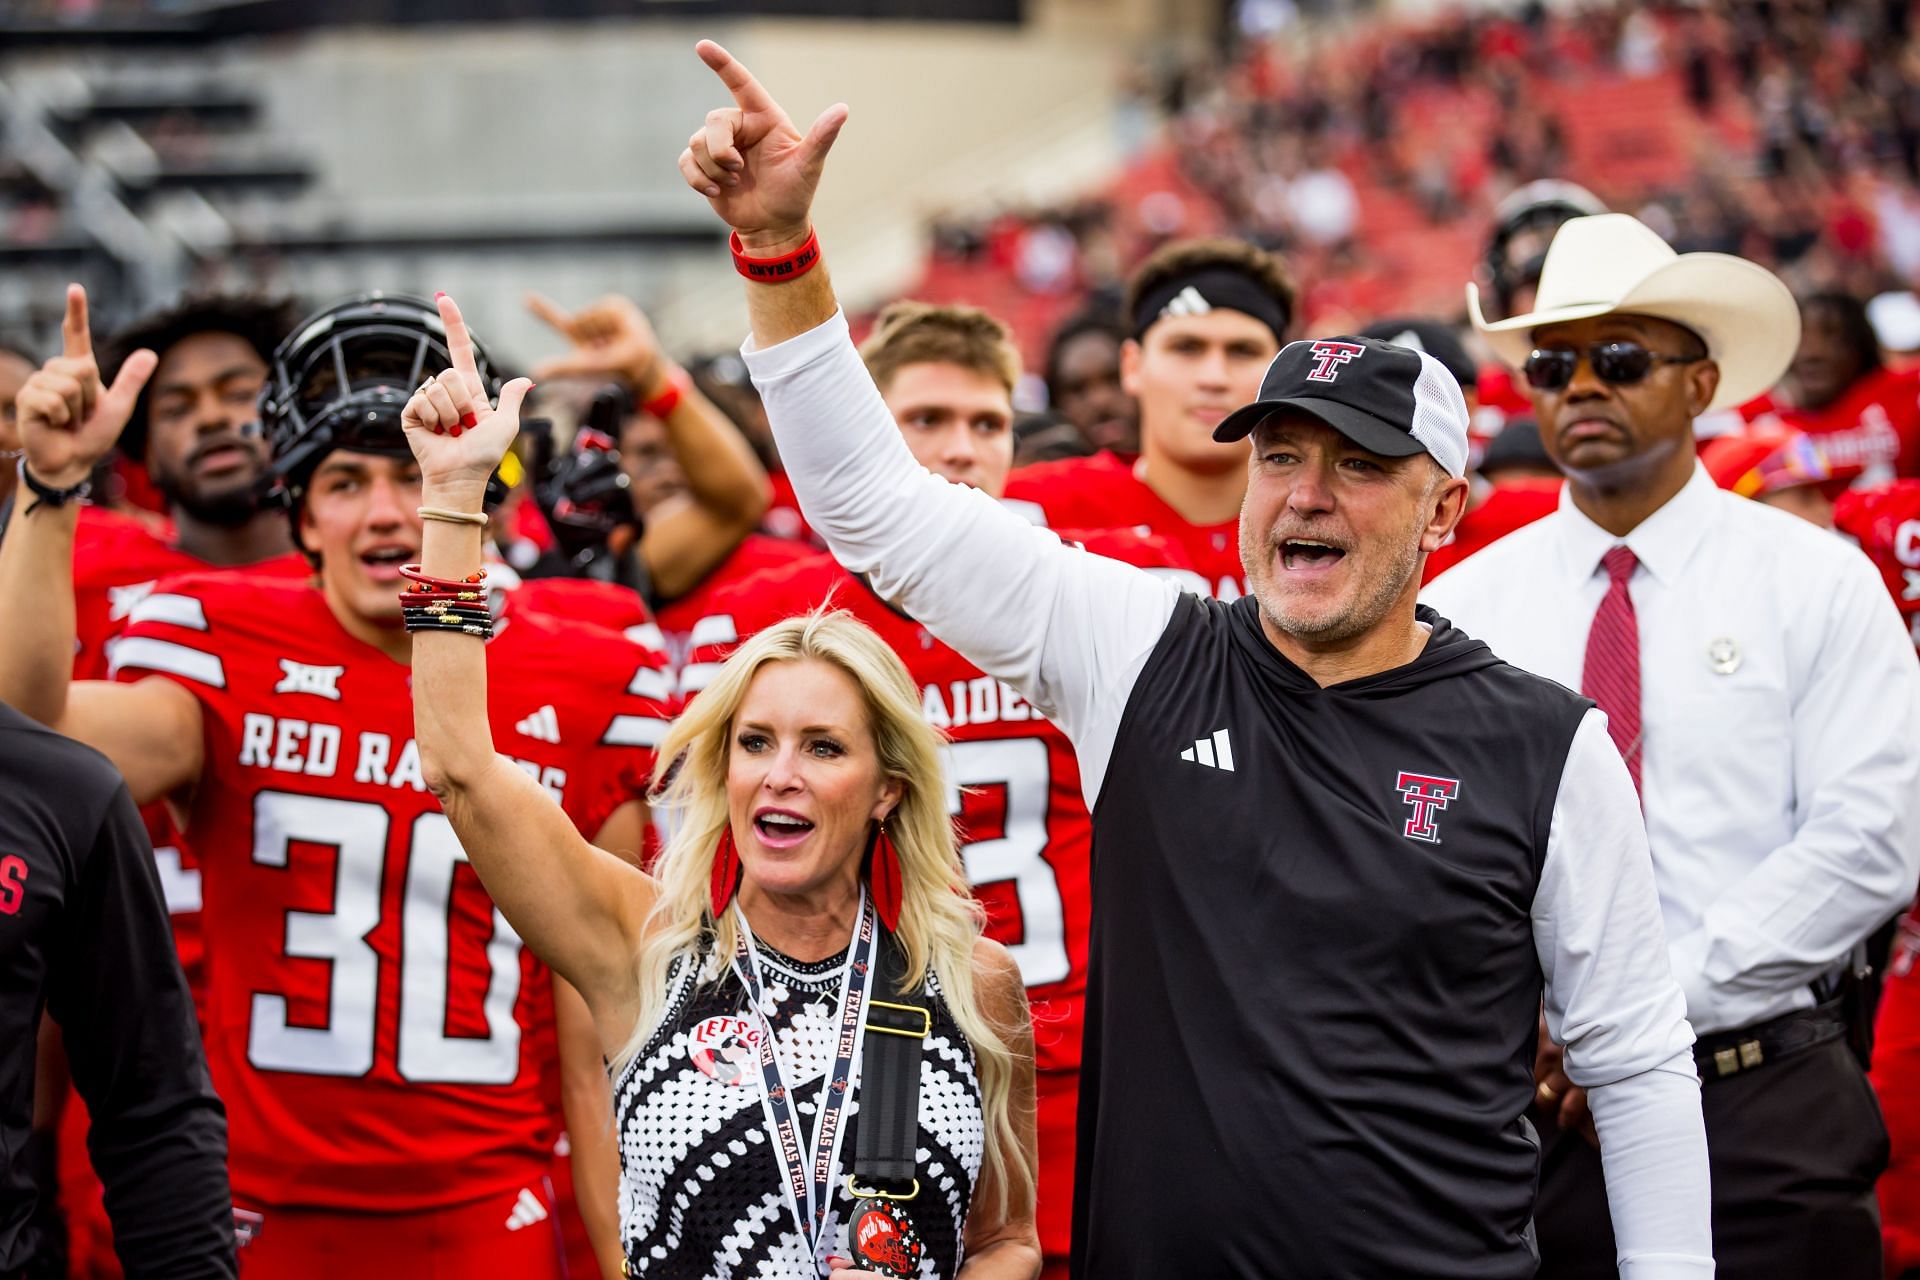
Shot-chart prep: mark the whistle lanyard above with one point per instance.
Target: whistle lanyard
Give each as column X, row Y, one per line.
column 809, row 1196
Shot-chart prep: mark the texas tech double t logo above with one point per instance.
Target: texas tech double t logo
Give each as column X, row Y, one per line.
column 1428, row 796
column 1329, row 356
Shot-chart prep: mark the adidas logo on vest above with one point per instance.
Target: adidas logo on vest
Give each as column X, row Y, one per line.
column 1215, row 752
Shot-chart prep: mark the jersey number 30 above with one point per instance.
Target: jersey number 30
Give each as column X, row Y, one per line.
column 344, row 1046
column 1019, row 853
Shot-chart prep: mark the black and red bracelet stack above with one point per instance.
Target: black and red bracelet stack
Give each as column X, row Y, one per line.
column 446, row 604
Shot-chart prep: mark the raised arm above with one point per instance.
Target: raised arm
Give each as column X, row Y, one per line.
column 1071, row 631
column 728, row 490
column 68, row 421
column 579, row 908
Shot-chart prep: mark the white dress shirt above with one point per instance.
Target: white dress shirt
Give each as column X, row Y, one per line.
column 1780, row 713
column 1072, row 632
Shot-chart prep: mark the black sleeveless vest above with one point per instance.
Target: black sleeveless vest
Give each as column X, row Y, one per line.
column 1313, row 993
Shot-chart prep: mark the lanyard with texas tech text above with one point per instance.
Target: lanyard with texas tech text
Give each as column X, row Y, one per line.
column 809, row 1196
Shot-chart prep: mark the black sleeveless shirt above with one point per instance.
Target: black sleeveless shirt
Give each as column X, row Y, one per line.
column 1313, row 987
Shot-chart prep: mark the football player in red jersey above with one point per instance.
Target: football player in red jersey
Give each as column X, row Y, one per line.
column 1864, row 416
column 948, row 373
column 192, row 430
column 1207, row 317
column 374, row 1026
column 1885, row 521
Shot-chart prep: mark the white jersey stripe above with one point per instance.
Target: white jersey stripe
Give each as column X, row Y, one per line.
column 175, row 610
column 649, row 682
column 634, row 731
column 145, row 652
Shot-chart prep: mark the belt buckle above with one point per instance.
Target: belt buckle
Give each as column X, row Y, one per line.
column 1726, row 1062
column 1750, row 1055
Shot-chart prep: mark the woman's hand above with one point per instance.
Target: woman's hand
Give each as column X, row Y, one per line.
column 754, row 167
column 456, row 433
column 843, row 1269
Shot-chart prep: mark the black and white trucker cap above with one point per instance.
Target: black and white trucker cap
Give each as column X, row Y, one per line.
column 1387, row 399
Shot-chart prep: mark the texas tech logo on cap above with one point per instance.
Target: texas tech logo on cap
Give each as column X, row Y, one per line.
column 1428, row 796
column 1329, row 356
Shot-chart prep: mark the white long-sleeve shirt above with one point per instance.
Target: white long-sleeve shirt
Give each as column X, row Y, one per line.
column 1780, row 708
column 1072, row 633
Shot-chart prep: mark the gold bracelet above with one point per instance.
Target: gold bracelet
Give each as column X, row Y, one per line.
column 451, row 516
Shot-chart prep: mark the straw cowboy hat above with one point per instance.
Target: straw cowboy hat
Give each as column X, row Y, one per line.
column 1611, row 262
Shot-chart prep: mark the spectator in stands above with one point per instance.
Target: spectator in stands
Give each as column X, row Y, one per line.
column 1783, row 469
column 1083, row 383
column 16, row 366
column 1697, row 622
column 694, row 480
column 1864, row 415
column 1206, row 318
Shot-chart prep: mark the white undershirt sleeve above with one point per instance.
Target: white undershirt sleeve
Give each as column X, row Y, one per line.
column 1611, row 1000
column 1070, row 630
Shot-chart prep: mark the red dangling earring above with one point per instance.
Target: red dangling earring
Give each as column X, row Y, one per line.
column 726, row 872
column 885, row 878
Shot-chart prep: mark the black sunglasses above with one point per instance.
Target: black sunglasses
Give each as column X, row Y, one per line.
column 1614, row 362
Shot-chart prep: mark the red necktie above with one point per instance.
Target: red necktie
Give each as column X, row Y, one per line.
column 1612, row 674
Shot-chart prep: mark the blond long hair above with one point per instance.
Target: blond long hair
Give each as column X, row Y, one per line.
column 939, row 919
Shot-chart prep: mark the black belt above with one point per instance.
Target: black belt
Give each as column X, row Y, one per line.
column 1730, row 1053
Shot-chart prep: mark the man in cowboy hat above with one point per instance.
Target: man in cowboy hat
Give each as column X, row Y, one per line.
column 1765, row 698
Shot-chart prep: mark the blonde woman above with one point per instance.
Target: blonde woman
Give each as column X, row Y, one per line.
column 813, row 858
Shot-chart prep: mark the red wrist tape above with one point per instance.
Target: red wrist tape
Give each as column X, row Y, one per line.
column 669, row 398
column 776, row 270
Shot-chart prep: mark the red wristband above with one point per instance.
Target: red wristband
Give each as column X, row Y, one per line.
column 776, row 270
column 669, row 398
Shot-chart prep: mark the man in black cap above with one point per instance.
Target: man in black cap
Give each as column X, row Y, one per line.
column 1344, row 850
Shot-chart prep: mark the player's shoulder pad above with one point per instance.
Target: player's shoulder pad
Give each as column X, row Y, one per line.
column 187, row 625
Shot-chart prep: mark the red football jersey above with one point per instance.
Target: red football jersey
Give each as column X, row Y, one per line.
column 1014, row 780
column 1870, row 435
column 1102, row 492
column 374, row 1024
column 1511, row 505
column 116, row 561
column 1885, row 521
column 755, row 554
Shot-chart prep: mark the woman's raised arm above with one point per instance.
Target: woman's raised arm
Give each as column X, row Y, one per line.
column 579, row 908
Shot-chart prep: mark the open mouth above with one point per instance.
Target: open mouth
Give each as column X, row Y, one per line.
column 384, row 562
column 780, row 829
column 1309, row 555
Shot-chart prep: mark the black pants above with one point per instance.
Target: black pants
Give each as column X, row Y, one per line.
column 1794, row 1148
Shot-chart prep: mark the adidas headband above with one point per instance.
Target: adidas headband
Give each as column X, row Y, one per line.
column 1211, row 289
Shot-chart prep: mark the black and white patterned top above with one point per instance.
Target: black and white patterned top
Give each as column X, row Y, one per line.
column 701, row 1194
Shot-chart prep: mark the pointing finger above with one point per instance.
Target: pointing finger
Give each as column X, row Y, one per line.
column 459, row 341
column 747, row 93
column 76, row 338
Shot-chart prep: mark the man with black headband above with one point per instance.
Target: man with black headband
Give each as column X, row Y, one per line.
column 1205, row 317
column 378, row 1033
column 1344, row 851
